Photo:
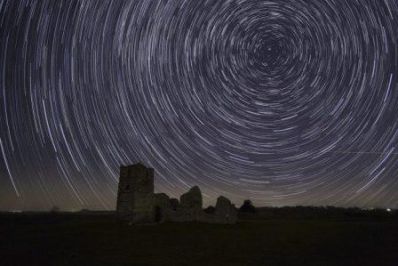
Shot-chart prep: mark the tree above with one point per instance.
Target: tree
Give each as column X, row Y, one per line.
column 247, row 206
column 55, row 209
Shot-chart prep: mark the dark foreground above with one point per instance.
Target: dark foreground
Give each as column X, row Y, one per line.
column 84, row 239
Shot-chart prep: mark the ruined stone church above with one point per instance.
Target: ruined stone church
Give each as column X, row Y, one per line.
column 137, row 202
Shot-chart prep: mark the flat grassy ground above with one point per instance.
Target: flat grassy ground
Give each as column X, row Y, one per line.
column 77, row 239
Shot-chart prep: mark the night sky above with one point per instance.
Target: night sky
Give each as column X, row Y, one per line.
column 287, row 102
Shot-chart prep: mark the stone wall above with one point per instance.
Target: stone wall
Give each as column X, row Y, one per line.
column 138, row 203
column 135, row 193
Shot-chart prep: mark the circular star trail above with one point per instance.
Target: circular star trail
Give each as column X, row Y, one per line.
column 283, row 102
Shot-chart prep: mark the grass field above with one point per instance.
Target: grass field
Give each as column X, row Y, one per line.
column 77, row 239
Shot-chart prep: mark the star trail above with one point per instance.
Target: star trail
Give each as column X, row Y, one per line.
column 289, row 102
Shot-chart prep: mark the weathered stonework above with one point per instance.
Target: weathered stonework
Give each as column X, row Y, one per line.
column 137, row 202
column 162, row 207
column 174, row 204
column 135, row 193
column 225, row 211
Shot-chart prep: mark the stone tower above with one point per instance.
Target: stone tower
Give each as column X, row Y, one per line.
column 135, row 193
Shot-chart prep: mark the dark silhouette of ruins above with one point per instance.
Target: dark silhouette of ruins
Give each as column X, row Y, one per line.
column 137, row 202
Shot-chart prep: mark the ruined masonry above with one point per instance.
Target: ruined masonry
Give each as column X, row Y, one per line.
column 137, row 202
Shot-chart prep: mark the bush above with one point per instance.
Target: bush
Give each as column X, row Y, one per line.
column 55, row 209
column 248, row 207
